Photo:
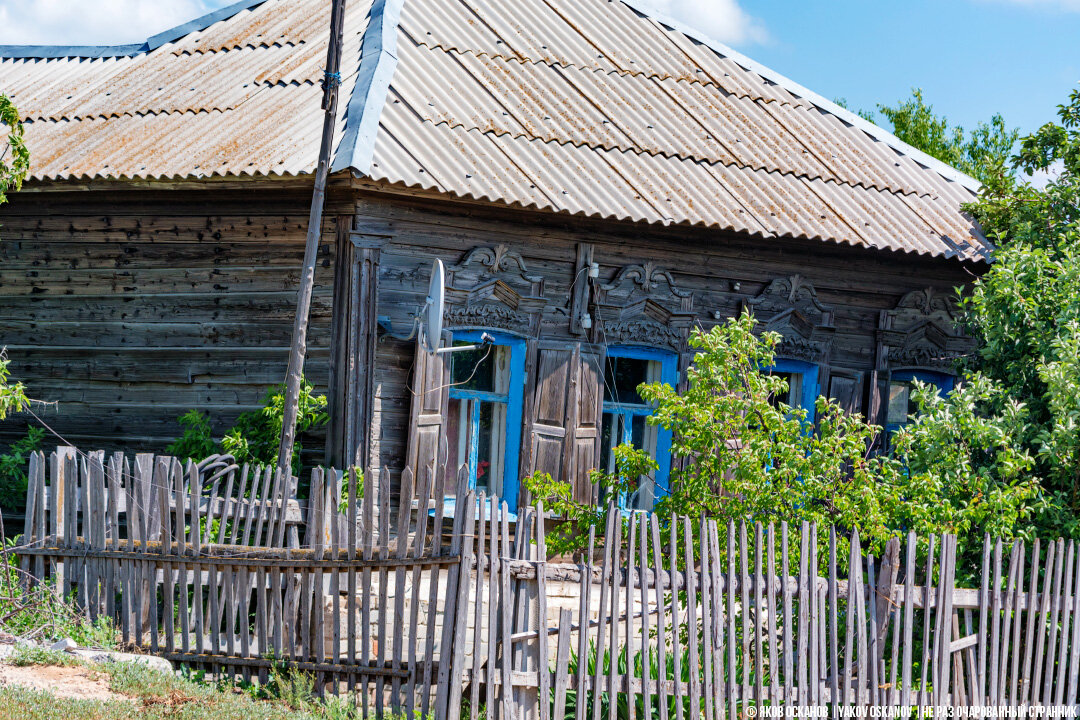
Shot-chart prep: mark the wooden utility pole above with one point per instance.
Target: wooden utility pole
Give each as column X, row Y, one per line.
column 331, row 84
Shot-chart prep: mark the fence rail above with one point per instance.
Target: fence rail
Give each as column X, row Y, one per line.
column 414, row 611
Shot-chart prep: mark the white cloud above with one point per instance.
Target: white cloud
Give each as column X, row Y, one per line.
column 111, row 22
column 722, row 20
column 93, row 22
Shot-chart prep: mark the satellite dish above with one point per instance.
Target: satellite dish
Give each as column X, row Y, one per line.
column 433, row 308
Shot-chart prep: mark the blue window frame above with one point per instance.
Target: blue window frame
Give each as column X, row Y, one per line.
column 625, row 414
column 802, row 380
column 483, row 424
column 900, row 406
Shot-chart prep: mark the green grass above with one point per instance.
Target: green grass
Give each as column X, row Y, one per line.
column 38, row 612
column 153, row 694
column 31, row 655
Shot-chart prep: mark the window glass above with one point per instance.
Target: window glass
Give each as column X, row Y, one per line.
column 792, row 397
column 476, row 425
column 474, row 369
column 625, row 419
column 901, row 405
column 622, row 378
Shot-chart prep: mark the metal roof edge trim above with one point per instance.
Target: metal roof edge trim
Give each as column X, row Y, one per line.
column 199, row 23
column 378, row 61
column 878, row 133
column 152, row 43
column 50, row 52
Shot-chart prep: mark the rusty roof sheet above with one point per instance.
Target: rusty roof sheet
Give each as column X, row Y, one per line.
column 587, row 107
column 240, row 96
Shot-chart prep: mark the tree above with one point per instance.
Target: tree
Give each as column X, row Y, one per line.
column 14, row 155
column 983, row 153
column 14, row 164
column 1025, row 312
column 747, row 456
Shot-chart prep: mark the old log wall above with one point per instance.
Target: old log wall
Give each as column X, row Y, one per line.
column 722, row 272
column 130, row 305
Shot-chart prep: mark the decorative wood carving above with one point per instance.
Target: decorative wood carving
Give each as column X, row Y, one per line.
column 499, row 259
column 491, row 287
column 642, row 305
column 647, row 277
column 922, row 332
column 790, row 306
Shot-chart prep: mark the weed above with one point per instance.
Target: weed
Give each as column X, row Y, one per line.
column 35, row 655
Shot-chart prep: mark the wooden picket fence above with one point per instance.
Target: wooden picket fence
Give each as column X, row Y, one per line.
column 412, row 611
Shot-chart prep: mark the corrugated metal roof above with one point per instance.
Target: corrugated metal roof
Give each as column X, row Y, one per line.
column 240, row 96
column 588, row 107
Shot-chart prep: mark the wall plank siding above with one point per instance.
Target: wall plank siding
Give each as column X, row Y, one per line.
column 130, row 305
column 721, row 270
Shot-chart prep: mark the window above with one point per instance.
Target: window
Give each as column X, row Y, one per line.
column 802, row 379
column 901, row 405
column 483, row 424
column 625, row 414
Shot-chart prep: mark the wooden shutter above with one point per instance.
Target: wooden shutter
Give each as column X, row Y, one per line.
column 564, row 437
column 587, row 403
column 427, row 418
column 846, row 388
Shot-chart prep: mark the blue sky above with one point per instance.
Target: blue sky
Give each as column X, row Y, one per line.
column 972, row 57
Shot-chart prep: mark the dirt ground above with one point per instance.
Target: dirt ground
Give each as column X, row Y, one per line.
column 69, row 682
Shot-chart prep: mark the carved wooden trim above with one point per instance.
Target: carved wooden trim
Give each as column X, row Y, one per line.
column 922, row 331
column 497, row 259
column 655, row 312
column 493, row 301
column 647, row 277
column 790, row 306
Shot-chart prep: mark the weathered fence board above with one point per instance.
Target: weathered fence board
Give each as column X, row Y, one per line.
column 452, row 608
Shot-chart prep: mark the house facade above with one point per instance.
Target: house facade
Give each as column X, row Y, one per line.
column 596, row 181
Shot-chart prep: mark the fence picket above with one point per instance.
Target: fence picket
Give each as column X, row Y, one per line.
column 692, row 617
column 696, row 629
column 1029, row 604
column 732, row 641
column 704, row 581
column 659, row 587
column 770, row 590
column 1055, row 611
column 1066, row 619
column 1015, row 557
column 676, row 624
column 646, row 655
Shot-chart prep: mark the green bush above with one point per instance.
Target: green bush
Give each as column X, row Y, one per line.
column 255, row 436
column 742, row 455
column 13, row 469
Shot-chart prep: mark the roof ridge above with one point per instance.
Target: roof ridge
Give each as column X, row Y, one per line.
column 378, row 60
column 131, row 49
column 878, row 133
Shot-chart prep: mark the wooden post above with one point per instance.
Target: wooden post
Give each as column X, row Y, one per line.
column 331, row 84
column 886, row 581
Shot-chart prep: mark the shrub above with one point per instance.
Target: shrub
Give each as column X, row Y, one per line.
column 255, row 436
column 13, row 468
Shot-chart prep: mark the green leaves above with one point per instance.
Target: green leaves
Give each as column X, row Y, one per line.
column 1025, row 310
column 982, row 153
column 14, row 155
column 254, row 436
column 747, row 456
column 12, row 395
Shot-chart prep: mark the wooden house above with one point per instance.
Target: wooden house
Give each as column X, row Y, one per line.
column 597, row 181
